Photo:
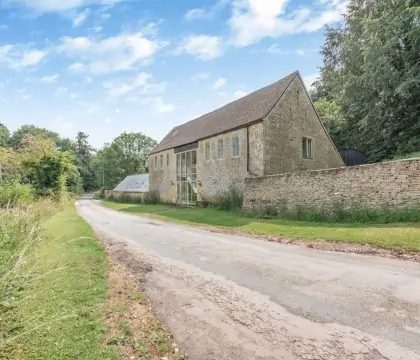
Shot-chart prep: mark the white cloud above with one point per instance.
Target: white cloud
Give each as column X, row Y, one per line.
column 310, row 79
column 159, row 106
column 200, row 13
column 60, row 91
column 200, row 76
column 203, row 47
column 253, row 20
column 219, row 83
column 140, row 85
column 101, row 56
column 20, row 56
column 80, row 18
column 108, row 120
column 60, row 5
column 239, row 94
column 50, row 78
column 277, row 50
column 195, row 14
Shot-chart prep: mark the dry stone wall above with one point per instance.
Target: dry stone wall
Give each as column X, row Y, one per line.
column 390, row 183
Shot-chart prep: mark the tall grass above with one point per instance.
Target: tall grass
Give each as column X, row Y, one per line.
column 338, row 213
column 20, row 232
column 231, row 200
column 15, row 194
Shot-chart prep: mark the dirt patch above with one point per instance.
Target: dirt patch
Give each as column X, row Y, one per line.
column 129, row 318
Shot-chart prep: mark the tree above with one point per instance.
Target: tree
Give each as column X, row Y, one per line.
column 83, row 152
column 19, row 134
column 126, row 155
column 371, row 71
column 4, row 135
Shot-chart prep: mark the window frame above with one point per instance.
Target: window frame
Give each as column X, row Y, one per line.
column 161, row 161
column 156, row 162
column 167, row 160
column 307, row 148
column 234, row 139
column 207, row 151
column 220, row 154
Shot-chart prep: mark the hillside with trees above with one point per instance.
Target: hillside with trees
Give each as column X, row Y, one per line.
column 369, row 87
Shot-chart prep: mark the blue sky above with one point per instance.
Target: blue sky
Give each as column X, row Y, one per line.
column 108, row 66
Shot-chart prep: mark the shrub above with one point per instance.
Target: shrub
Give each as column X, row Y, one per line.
column 152, row 197
column 230, row 200
column 15, row 194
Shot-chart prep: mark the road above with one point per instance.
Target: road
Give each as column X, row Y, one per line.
column 233, row 297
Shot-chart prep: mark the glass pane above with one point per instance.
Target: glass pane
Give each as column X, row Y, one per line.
column 183, row 193
column 194, row 197
column 178, row 164
column 178, row 193
column 194, row 162
column 189, row 158
column 183, row 164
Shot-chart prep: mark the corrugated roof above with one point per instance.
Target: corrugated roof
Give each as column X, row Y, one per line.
column 134, row 183
column 239, row 113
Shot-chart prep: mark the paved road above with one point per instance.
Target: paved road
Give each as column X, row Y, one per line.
column 232, row 297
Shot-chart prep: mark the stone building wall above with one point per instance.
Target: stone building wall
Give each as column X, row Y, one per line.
column 256, row 149
column 391, row 183
column 217, row 174
column 292, row 118
column 163, row 178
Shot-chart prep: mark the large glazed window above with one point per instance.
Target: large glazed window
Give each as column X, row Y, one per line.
column 186, row 179
column 220, row 150
column 307, row 151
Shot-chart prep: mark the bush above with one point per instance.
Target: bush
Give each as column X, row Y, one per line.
column 151, row 198
column 231, row 200
column 15, row 194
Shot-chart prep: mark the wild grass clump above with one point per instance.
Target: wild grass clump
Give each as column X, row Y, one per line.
column 20, row 232
column 231, row 200
column 339, row 213
column 14, row 194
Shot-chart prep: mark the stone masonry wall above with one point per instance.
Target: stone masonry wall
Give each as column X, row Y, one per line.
column 392, row 183
column 163, row 178
column 293, row 118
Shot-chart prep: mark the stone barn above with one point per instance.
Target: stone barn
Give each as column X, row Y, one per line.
column 270, row 131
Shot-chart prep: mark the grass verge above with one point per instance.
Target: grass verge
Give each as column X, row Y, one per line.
column 59, row 289
column 396, row 236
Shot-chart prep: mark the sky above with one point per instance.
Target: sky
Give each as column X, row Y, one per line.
column 108, row 66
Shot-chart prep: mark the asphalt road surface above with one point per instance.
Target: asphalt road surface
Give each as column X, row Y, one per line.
column 233, row 297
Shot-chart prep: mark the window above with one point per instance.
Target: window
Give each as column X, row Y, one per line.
column 220, row 151
column 167, row 159
column 307, row 148
column 235, row 145
column 155, row 162
column 161, row 161
column 207, row 151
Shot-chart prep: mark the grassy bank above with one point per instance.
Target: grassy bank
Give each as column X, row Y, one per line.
column 396, row 236
column 53, row 287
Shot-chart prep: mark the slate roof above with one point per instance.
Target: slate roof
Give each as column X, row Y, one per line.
column 239, row 113
column 134, row 183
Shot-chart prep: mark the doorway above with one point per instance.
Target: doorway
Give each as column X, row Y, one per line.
column 186, row 178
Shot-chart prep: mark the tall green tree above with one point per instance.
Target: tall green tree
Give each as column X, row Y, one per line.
column 84, row 159
column 4, row 135
column 19, row 134
column 371, row 71
column 126, row 155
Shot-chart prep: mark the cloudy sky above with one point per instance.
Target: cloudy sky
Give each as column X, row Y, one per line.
column 107, row 66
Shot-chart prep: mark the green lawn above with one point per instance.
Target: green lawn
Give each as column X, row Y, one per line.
column 59, row 310
column 400, row 236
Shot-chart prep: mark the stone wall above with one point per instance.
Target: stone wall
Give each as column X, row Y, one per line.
column 389, row 183
column 217, row 174
column 163, row 178
column 293, row 118
column 118, row 194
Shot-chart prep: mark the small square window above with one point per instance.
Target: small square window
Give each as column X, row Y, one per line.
column 167, row 159
column 220, row 150
column 235, row 146
column 207, row 151
column 307, row 151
